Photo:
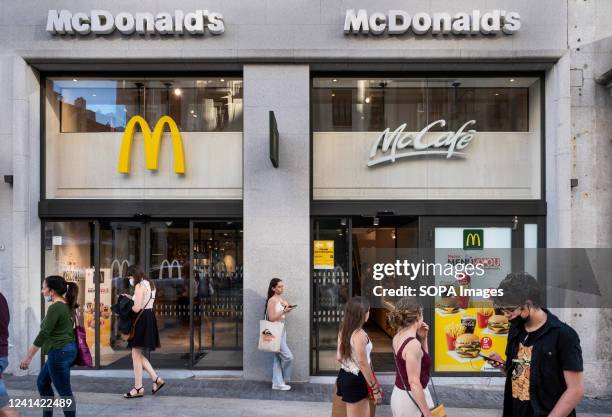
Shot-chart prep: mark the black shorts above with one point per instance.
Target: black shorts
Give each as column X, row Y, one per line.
column 352, row 388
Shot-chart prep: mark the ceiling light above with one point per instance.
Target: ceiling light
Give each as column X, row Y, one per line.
column 376, row 221
column 335, row 80
column 222, row 80
column 511, row 80
column 191, row 111
column 74, row 79
column 333, row 95
column 177, row 91
column 367, row 99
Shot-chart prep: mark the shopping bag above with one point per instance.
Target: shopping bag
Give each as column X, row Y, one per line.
column 270, row 333
column 83, row 357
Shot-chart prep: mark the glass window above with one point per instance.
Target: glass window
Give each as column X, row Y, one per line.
column 68, row 252
column 105, row 105
column 350, row 104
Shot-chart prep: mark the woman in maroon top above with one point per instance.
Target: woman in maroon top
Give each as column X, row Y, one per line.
column 412, row 360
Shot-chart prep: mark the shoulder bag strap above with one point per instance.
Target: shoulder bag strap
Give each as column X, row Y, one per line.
column 142, row 310
column 398, row 369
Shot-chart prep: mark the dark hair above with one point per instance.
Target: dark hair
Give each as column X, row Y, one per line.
column 273, row 283
column 138, row 274
column 406, row 312
column 68, row 290
column 518, row 288
column 354, row 317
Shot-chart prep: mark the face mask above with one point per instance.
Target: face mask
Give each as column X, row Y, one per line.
column 48, row 299
column 520, row 319
column 131, row 282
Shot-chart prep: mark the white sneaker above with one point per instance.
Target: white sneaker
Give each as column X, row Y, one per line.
column 283, row 387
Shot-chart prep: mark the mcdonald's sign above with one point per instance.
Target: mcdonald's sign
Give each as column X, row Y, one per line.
column 473, row 239
column 152, row 143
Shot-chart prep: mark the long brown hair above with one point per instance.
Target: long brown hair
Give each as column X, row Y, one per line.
column 354, row 317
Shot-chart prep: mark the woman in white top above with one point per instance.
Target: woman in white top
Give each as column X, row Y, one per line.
column 276, row 309
column 353, row 353
column 146, row 335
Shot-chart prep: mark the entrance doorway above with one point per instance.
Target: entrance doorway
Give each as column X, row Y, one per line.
column 375, row 240
column 196, row 267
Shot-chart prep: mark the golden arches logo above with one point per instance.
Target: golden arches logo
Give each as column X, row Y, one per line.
column 152, row 143
column 473, row 237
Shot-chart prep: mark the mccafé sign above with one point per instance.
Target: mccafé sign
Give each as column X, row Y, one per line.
column 103, row 22
column 399, row 22
column 397, row 144
column 152, row 143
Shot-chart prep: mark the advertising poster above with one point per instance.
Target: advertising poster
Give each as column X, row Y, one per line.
column 323, row 254
column 105, row 305
column 467, row 327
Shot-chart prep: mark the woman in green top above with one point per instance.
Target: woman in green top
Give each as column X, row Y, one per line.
column 56, row 338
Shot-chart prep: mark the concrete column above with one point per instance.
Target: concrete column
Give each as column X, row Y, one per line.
column 24, row 290
column 276, row 209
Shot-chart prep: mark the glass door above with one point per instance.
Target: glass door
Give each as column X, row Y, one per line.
column 216, row 292
column 121, row 245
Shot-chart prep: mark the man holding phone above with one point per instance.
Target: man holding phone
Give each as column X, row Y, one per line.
column 544, row 371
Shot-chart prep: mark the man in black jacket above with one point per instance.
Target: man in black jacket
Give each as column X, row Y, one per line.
column 543, row 367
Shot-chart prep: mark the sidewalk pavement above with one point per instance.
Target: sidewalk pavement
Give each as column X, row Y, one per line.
column 235, row 397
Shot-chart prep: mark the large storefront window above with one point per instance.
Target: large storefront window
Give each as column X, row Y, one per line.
column 465, row 138
column 69, row 252
column 106, row 105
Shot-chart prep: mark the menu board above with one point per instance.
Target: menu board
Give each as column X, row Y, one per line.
column 105, row 305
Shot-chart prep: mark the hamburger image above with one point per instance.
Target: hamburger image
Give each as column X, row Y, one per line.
column 498, row 324
column 448, row 304
column 467, row 345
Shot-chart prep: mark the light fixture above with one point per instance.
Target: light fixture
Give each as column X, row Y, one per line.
column 222, row 80
column 74, row 79
column 192, row 111
column 335, row 80
column 376, row 221
column 393, row 236
column 343, row 222
column 93, row 95
column 367, row 100
column 177, row 91
column 333, row 95
column 511, row 80
column 496, row 94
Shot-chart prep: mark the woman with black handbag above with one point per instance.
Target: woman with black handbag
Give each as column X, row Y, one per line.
column 410, row 397
column 144, row 335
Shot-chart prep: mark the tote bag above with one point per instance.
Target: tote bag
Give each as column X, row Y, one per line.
column 270, row 333
column 83, row 357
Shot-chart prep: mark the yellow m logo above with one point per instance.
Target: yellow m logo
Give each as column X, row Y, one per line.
column 152, row 142
column 473, row 237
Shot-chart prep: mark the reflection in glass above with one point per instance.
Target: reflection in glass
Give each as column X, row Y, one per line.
column 68, row 252
column 106, row 105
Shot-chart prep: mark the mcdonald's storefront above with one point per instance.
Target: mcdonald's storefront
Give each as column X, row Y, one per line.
column 156, row 148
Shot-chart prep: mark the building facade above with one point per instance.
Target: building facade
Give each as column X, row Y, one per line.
column 142, row 135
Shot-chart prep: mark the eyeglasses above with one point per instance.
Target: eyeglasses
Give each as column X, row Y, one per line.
column 509, row 309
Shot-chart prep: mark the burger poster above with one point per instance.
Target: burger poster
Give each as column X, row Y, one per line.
column 466, row 328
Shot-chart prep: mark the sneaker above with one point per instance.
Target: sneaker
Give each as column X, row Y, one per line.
column 283, row 387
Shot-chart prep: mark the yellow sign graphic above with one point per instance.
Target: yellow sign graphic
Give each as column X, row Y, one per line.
column 152, row 142
column 472, row 237
column 323, row 254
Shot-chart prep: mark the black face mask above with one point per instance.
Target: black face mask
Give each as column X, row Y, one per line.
column 520, row 320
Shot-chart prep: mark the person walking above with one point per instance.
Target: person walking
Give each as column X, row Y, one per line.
column 5, row 318
column 57, row 341
column 276, row 309
column 146, row 335
column 410, row 397
column 543, row 367
column 353, row 353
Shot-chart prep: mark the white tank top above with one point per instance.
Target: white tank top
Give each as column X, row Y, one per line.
column 351, row 364
column 148, row 293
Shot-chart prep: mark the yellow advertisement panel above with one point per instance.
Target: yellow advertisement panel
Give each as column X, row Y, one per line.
column 323, row 254
column 463, row 335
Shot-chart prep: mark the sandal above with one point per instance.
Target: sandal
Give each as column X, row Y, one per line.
column 137, row 395
column 160, row 385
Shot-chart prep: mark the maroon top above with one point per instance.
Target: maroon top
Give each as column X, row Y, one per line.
column 401, row 363
column 4, row 322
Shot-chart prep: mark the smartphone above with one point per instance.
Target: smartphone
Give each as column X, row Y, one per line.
column 487, row 358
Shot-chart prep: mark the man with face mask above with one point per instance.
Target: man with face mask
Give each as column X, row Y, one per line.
column 544, row 373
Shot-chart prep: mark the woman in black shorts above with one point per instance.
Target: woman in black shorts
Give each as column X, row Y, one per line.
column 354, row 348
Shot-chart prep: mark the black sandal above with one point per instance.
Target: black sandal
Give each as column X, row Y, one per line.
column 159, row 386
column 129, row 395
